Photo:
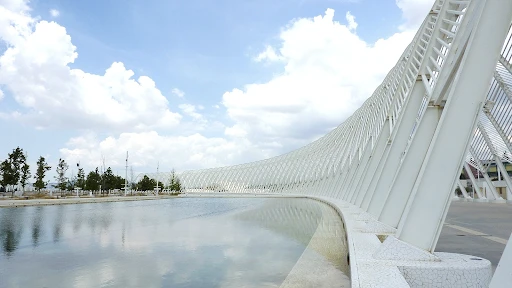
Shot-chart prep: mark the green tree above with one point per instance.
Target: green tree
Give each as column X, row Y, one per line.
column 146, row 184
column 93, row 181
column 80, row 179
column 25, row 175
column 71, row 184
column 119, row 182
column 6, row 173
column 61, row 178
column 10, row 169
column 174, row 182
column 42, row 168
column 109, row 180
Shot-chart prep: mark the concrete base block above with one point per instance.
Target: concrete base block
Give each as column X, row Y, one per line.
column 454, row 270
column 394, row 249
column 483, row 200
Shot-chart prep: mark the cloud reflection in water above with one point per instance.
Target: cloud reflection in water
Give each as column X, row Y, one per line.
column 182, row 242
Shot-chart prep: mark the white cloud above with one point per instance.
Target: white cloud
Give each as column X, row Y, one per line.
column 15, row 22
column 352, row 25
column 15, row 5
column 1, row 94
column 235, row 131
column 148, row 148
column 54, row 13
column 414, row 12
column 269, row 54
column 178, row 92
column 34, row 68
column 328, row 71
column 190, row 110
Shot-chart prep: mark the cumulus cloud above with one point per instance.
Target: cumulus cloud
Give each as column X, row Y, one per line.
column 178, row 92
column 414, row 11
column 1, row 94
column 328, row 71
column 35, row 69
column 148, row 148
column 269, row 54
column 235, row 131
column 15, row 21
column 54, row 13
column 352, row 24
column 191, row 110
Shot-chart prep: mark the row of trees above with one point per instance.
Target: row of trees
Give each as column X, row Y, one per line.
column 15, row 170
column 147, row 183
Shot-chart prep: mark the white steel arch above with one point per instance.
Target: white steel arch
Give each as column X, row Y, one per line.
column 446, row 106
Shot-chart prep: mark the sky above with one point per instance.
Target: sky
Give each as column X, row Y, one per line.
column 189, row 84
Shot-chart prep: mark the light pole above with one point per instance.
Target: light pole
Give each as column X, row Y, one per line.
column 126, row 175
column 157, row 166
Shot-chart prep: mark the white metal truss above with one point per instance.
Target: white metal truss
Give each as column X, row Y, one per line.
column 446, row 104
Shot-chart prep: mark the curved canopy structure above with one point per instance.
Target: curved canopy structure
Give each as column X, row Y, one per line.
column 445, row 106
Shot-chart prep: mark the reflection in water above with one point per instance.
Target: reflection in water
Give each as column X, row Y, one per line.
column 10, row 229
column 57, row 227
column 182, row 242
column 315, row 225
column 37, row 219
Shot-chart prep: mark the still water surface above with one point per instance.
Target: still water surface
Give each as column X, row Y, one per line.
column 182, row 242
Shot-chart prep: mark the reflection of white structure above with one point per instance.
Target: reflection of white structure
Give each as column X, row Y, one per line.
column 397, row 159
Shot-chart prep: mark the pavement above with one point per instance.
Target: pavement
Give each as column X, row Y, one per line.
column 479, row 229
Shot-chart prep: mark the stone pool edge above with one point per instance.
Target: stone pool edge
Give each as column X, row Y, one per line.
column 65, row 201
column 379, row 259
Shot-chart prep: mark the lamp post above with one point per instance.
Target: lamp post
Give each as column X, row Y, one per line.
column 157, row 166
column 126, row 175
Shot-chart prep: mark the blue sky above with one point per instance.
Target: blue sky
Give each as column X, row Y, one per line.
column 203, row 49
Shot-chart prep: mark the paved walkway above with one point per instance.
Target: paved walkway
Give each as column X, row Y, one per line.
column 479, row 229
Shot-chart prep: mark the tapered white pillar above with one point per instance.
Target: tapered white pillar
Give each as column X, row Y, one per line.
column 403, row 181
column 505, row 176
column 476, row 188
column 376, row 157
column 378, row 189
column 430, row 198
